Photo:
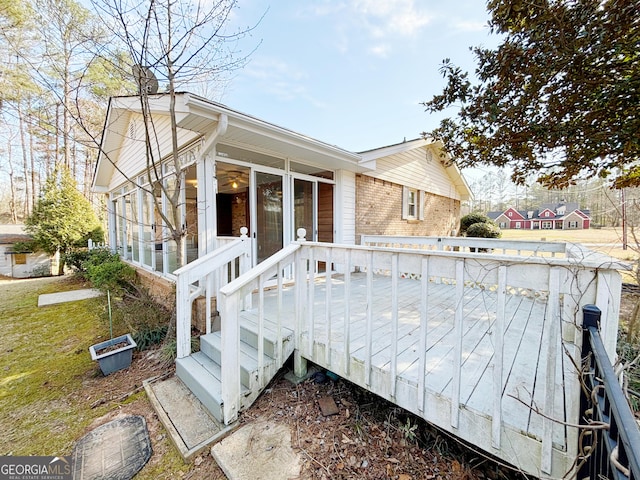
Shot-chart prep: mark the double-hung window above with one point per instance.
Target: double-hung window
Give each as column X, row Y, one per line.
column 412, row 200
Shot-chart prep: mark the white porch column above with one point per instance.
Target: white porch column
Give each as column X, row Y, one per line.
column 206, row 172
column 207, row 189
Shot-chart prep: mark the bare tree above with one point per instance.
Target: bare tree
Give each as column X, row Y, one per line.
column 178, row 45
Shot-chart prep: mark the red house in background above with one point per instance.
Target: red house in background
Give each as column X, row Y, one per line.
column 549, row 216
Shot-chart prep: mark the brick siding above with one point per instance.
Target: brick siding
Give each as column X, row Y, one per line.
column 379, row 211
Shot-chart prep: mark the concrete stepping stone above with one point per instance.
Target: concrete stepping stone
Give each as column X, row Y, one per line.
column 71, row 296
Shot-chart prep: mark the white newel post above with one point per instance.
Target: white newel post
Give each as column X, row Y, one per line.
column 299, row 363
column 230, row 345
column 183, row 317
column 246, row 262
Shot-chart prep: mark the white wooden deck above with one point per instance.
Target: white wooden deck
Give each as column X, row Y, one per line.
column 484, row 345
column 525, row 351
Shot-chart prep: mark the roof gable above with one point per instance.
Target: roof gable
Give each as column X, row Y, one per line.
column 515, row 214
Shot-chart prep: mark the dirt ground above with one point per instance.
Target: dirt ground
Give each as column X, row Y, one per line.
column 368, row 438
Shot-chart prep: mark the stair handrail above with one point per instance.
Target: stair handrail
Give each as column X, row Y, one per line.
column 231, row 300
column 204, row 271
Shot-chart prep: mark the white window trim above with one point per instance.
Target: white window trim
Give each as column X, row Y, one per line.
column 419, row 204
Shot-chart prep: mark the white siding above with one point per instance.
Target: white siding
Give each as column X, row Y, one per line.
column 5, row 261
column 131, row 160
column 38, row 264
column 345, row 211
column 419, row 168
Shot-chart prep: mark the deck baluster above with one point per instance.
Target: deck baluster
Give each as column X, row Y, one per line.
column 347, row 310
column 424, row 320
column 552, row 326
column 369, row 331
column 498, row 357
column 261, row 287
column 310, row 298
column 394, row 322
column 327, row 307
column 457, row 350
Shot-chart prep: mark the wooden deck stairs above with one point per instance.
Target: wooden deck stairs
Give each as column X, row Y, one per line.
column 201, row 371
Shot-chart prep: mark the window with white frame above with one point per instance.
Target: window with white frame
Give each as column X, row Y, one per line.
column 503, row 225
column 412, row 204
column 510, row 214
column 518, row 224
column 547, row 225
column 573, row 224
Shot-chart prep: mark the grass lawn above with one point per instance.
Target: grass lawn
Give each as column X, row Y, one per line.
column 52, row 393
column 604, row 240
column 43, row 363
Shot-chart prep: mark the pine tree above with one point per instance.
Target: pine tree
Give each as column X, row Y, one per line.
column 62, row 218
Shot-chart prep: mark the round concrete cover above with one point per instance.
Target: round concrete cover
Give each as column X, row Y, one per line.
column 116, row 450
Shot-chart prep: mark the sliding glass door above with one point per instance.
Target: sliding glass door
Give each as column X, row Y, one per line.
column 269, row 214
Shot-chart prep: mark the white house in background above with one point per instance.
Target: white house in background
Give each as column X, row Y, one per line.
column 239, row 170
column 19, row 264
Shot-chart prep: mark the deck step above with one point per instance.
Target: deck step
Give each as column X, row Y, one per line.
column 211, row 346
column 202, row 376
column 249, row 333
column 201, row 371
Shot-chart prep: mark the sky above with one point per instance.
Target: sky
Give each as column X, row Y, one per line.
column 352, row 73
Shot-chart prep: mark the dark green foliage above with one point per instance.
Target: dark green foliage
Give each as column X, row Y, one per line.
column 113, row 275
column 62, row 217
column 96, row 235
column 558, row 99
column 80, row 259
column 484, row 230
column 102, row 268
column 148, row 336
column 24, row 247
column 76, row 259
column 470, row 219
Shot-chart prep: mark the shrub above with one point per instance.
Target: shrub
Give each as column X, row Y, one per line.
column 75, row 260
column 113, row 275
column 106, row 271
column 471, row 219
column 484, row 230
column 80, row 259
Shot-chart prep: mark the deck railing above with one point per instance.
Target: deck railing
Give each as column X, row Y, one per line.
column 233, row 299
column 204, row 277
column 564, row 282
column 468, row 244
column 612, row 452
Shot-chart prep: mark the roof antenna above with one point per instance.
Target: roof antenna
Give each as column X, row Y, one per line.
column 145, row 79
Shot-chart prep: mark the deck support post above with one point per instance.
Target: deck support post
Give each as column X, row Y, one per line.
column 299, row 365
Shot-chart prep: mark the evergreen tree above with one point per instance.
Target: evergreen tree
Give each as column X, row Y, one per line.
column 559, row 97
column 62, row 218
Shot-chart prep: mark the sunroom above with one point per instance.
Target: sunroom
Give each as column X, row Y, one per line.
column 234, row 171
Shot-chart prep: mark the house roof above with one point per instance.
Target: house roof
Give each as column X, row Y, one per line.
column 570, row 207
column 10, row 234
column 197, row 116
column 452, row 170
